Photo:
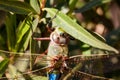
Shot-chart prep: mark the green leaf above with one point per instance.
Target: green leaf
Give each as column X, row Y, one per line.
column 22, row 29
column 28, row 36
column 98, row 36
column 91, row 4
column 25, row 33
column 77, row 31
column 2, row 42
column 72, row 4
column 16, row 7
column 35, row 5
column 10, row 29
column 3, row 66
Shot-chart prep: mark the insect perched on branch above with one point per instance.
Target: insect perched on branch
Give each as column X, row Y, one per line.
column 58, row 59
column 58, row 62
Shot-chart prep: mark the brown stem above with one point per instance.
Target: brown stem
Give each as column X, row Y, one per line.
column 43, row 2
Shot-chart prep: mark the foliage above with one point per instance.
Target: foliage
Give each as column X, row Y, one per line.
column 28, row 18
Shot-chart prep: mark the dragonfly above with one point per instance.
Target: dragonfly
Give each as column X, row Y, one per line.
column 58, row 61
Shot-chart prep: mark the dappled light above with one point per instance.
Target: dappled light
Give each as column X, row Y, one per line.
column 59, row 40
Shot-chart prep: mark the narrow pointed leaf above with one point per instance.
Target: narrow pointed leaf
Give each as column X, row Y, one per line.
column 16, row 7
column 77, row 31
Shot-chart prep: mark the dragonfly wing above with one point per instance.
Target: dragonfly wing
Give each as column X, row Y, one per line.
column 78, row 75
column 41, row 60
column 29, row 75
column 91, row 64
column 73, row 60
column 26, row 62
column 41, row 71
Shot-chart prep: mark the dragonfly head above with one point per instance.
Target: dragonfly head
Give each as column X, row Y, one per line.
column 59, row 36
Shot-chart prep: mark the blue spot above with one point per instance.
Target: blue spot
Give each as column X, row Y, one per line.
column 53, row 76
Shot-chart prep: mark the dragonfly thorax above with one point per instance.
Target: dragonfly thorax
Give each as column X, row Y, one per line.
column 58, row 63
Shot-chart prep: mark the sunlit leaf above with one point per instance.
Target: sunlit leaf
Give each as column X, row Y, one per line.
column 22, row 29
column 24, row 33
column 29, row 34
column 16, row 7
column 77, row 31
column 35, row 5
